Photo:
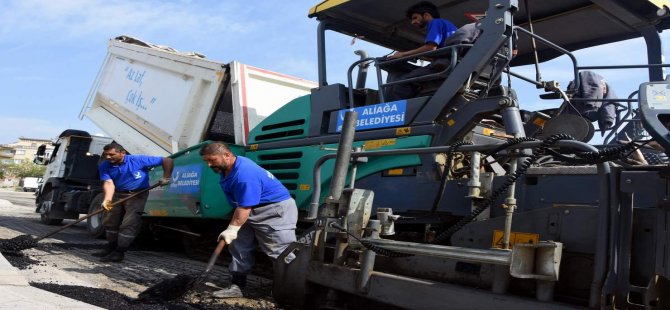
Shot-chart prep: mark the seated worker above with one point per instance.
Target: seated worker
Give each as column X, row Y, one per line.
column 423, row 15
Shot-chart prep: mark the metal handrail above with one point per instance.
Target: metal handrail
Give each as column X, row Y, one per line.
column 556, row 47
column 380, row 62
column 350, row 79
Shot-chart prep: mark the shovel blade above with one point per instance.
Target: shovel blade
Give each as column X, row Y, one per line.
column 168, row 289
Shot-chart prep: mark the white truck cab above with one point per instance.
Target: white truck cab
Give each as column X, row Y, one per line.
column 71, row 181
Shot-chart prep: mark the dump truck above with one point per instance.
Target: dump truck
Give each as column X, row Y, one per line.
column 155, row 101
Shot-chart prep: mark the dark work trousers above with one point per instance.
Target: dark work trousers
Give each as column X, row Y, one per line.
column 411, row 90
column 272, row 227
column 123, row 223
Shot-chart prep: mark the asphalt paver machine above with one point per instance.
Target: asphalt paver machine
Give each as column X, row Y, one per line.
column 461, row 198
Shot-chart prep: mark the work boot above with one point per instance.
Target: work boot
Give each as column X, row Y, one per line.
column 115, row 256
column 233, row 291
column 111, row 246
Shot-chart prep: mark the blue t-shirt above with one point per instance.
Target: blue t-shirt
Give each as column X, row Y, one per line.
column 131, row 174
column 249, row 185
column 439, row 30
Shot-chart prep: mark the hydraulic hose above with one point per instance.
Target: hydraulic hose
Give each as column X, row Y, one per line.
column 486, row 202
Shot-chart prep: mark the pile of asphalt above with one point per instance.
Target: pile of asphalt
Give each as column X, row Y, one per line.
column 183, row 291
column 21, row 261
column 109, row 299
column 18, row 243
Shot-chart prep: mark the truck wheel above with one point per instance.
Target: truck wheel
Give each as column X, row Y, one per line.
column 94, row 223
column 45, row 209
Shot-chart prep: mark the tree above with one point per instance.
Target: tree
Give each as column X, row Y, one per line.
column 4, row 170
column 23, row 170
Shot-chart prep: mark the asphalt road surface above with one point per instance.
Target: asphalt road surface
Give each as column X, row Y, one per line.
column 65, row 260
column 18, row 198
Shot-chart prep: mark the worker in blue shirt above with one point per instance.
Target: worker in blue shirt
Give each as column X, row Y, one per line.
column 264, row 212
column 123, row 175
column 422, row 15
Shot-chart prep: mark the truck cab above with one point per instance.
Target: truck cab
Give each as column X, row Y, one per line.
column 71, row 181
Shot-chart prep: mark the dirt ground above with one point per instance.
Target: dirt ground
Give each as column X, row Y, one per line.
column 63, row 264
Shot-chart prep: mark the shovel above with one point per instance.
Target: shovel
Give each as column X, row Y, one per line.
column 99, row 211
column 172, row 288
column 26, row 241
column 212, row 260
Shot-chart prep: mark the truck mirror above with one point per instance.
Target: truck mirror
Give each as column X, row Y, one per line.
column 41, row 150
column 39, row 156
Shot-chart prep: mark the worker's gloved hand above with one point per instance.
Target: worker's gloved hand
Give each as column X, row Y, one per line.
column 164, row 181
column 229, row 234
column 107, row 205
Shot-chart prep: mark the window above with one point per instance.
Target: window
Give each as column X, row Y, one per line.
column 53, row 153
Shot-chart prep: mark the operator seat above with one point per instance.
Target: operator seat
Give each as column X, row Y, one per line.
column 465, row 35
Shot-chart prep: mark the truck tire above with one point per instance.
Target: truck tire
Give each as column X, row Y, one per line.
column 45, row 217
column 94, row 223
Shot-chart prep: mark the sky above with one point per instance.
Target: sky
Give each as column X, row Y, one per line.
column 51, row 51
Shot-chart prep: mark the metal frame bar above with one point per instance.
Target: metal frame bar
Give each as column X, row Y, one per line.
column 411, row 293
column 321, row 51
column 493, row 256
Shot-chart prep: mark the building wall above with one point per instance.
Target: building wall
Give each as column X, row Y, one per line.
column 17, row 152
column 26, row 148
column 7, row 154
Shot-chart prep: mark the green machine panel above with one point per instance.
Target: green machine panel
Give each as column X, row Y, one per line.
column 289, row 122
column 294, row 166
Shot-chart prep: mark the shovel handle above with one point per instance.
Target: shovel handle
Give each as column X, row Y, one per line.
column 215, row 255
column 100, row 211
column 135, row 195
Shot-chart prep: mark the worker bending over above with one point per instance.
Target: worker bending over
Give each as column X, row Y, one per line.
column 264, row 212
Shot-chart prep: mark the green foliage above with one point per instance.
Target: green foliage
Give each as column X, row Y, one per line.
column 23, row 170
column 3, row 170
